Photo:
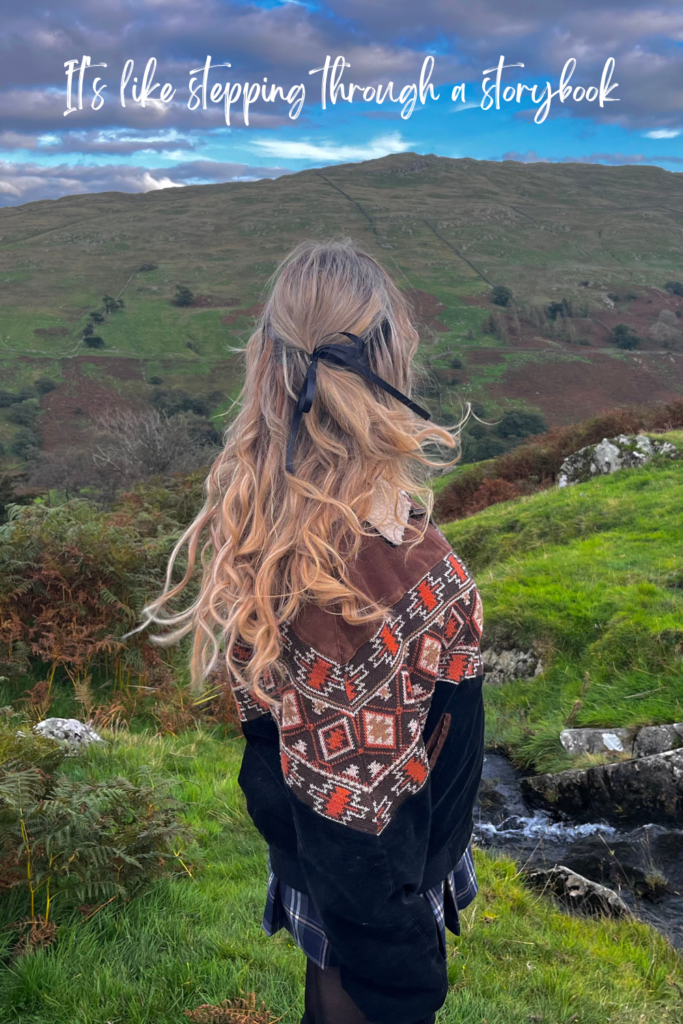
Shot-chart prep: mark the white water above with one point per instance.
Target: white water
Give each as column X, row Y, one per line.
column 538, row 827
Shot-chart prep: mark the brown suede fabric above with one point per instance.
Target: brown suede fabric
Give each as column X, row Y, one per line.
column 384, row 572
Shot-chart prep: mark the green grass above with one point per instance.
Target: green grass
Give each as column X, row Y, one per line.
column 592, row 576
column 198, row 939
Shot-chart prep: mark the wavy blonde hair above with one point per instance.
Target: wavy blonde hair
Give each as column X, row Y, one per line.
column 269, row 542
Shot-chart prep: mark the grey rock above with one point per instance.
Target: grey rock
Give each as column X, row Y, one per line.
column 598, row 741
column 612, row 453
column 69, row 731
column 577, row 892
column 650, row 739
column 504, row 666
column 655, row 739
column 638, row 791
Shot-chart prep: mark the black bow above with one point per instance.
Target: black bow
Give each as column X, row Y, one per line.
column 354, row 358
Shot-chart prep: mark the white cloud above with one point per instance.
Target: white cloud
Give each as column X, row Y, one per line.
column 663, row 133
column 150, row 184
column 383, row 145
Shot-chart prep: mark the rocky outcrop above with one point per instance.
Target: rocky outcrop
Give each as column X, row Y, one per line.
column 650, row 739
column 648, row 860
column 611, row 454
column 578, row 893
column 504, row 666
column 638, row 791
column 70, row 731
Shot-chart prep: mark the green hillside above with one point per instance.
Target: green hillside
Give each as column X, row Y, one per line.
column 592, row 577
column 604, row 239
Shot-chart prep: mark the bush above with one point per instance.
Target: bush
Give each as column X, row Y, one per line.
column 88, row 330
column 145, row 268
column 183, row 296
column 96, row 317
column 80, row 839
column 94, row 341
column 112, row 305
column 674, row 287
column 174, row 400
column 7, row 399
column 44, row 385
column 26, row 443
column 625, row 337
column 501, row 295
column 23, row 413
column 518, row 423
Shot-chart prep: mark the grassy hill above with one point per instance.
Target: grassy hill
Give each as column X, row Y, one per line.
column 604, row 239
column 592, row 577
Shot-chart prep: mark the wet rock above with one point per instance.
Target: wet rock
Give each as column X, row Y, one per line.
column 655, row 739
column 648, row 860
column 612, row 453
column 577, row 892
column 598, row 741
column 637, row 792
column 70, row 731
column 504, row 666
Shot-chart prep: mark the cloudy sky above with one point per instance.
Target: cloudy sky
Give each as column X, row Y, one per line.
column 45, row 153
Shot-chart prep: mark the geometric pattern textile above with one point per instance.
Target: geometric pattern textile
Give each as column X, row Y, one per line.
column 351, row 733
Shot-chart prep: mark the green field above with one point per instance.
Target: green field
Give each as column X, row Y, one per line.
column 197, row 940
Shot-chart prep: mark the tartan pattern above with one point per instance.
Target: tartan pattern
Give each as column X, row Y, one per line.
column 293, row 910
column 351, row 733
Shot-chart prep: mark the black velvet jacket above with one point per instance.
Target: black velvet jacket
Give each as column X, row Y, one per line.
column 363, row 778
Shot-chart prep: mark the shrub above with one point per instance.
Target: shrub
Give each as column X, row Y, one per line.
column 94, row 341
column 96, row 317
column 23, row 413
column 625, row 337
column 26, row 443
column 674, row 287
column 501, row 295
column 81, row 839
column 518, row 423
column 183, row 296
column 7, row 399
column 28, row 391
column 145, row 268
column 44, row 385
column 172, row 401
column 112, row 305
column 88, row 330
column 554, row 310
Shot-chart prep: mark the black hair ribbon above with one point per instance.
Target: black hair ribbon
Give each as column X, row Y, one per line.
column 354, row 358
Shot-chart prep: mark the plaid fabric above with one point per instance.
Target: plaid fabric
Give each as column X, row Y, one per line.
column 293, row 910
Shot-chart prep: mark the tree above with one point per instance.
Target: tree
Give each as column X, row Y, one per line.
column 88, row 330
column 96, row 317
column 625, row 337
column 674, row 287
column 111, row 305
column 183, row 296
column 94, row 341
column 517, row 423
column 555, row 309
column 44, row 385
column 501, row 295
column 23, row 413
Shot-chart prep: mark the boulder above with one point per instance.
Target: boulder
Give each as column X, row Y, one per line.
column 648, row 860
column 504, row 666
column 576, row 892
column 70, row 731
column 638, row 791
column 611, row 454
column 655, row 739
column 650, row 739
column 598, row 741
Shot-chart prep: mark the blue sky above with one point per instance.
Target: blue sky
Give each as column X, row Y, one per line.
column 44, row 154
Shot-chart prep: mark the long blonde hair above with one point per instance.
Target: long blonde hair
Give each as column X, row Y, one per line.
column 269, row 541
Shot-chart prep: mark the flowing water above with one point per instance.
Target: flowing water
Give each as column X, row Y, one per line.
column 644, row 865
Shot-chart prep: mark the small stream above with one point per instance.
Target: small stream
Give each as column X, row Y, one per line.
column 644, row 865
